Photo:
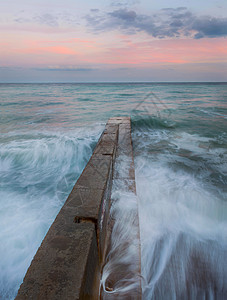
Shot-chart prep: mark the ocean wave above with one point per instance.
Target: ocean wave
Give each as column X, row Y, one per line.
column 37, row 173
column 183, row 234
column 146, row 121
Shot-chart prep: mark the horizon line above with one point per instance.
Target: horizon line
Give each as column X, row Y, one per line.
column 104, row 82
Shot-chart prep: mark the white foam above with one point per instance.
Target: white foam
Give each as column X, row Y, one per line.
column 173, row 204
column 183, row 219
column 37, row 175
column 121, row 274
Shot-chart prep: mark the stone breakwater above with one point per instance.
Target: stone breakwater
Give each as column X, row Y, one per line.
column 70, row 260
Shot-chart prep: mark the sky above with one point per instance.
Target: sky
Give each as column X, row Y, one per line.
column 113, row 41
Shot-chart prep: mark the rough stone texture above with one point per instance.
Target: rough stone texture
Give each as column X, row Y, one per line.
column 119, row 120
column 96, row 173
column 68, row 263
column 111, row 128
column 84, row 202
column 57, row 271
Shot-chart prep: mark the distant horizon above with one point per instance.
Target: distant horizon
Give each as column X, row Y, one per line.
column 116, row 82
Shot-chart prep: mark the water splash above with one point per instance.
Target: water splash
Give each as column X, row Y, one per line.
column 182, row 216
column 37, row 174
column 121, row 271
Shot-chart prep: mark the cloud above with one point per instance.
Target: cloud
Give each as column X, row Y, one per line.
column 210, row 27
column 50, row 20
column 167, row 23
column 47, row 19
column 65, row 69
column 95, row 10
column 124, row 15
column 124, row 3
column 43, row 19
column 5, row 68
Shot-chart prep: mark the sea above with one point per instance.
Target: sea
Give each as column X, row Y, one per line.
column 179, row 134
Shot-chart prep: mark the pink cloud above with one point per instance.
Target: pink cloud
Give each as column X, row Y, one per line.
column 179, row 51
column 52, row 49
column 116, row 50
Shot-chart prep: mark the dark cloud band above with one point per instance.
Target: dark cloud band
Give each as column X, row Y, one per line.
column 167, row 23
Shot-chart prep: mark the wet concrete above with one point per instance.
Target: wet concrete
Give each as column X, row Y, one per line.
column 123, row 274
column 69, row 261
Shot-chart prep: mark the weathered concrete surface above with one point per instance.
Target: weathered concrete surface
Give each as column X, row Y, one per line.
column 57, row 272
column 68, row 263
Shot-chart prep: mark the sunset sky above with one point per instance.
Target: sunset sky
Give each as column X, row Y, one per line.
column 129, row 40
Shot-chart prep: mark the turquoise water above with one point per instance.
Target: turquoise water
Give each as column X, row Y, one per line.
column 48, row 132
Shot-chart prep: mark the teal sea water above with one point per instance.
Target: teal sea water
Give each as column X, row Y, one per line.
column 179, row 131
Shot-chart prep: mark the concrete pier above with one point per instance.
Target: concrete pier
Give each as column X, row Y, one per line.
column 69, row 262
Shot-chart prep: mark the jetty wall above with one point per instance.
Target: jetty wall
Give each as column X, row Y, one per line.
column 68, row 263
